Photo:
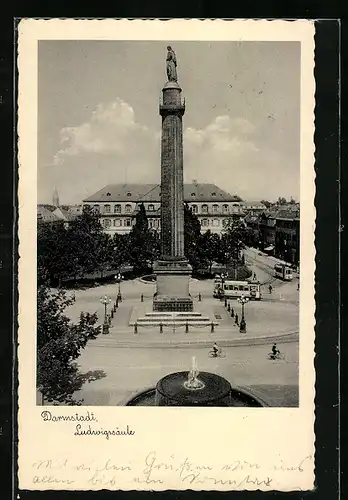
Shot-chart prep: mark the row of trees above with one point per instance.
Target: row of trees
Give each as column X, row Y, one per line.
column 281, row 201
column 84, row 249
column 203, row 249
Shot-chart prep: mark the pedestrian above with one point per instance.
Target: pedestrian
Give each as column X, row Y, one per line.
column 298, row 286
column 254, row 276
column 270, row 288
column 236, row 320
column 232, row 313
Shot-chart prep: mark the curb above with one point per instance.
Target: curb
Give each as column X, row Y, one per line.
column 168, row 344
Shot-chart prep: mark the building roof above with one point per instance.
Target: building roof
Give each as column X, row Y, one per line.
column 251, row 218
column 288, row 213
column 50, row 208
column 151, row 192
column 45, row 215
column 62, row 213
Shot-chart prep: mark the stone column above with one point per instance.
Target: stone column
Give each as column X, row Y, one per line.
column 172, row 270
column 172, row 110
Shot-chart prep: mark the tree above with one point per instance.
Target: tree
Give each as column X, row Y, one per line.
column 103, row 252
column 80, row 249
column 141, row 241
column 120, row 245
column 59, row 343
column 282, row 201
column 52, row 257
column 266, row 203
column 88, row 244
column 210, row 249
column 233, row 239
column 192, row 233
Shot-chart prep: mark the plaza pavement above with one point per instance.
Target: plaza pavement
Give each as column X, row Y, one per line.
column 118, row 365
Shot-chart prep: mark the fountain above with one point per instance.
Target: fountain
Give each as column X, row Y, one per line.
column 194, row 388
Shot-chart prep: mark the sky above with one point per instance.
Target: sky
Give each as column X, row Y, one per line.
column 99, row 123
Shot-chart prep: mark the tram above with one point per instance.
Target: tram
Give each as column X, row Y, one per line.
column 283, row 271
column 232, row 289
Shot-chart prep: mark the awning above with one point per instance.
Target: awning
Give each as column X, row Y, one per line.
column 268, row 249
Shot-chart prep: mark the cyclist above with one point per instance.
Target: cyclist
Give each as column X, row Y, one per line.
column 215, row 349
column 275, row 351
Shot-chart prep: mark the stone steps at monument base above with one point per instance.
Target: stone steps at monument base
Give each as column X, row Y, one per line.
column 156, row 319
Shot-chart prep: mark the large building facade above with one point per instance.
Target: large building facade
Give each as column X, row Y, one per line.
column 276, row 232
column 118, row 203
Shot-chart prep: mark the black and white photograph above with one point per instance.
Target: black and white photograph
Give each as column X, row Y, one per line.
column 169, row 257
column 168, row 223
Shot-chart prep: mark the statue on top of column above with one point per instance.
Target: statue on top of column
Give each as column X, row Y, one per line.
column 171, row 65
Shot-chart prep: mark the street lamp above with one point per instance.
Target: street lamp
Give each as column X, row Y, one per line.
column 223, row 276
column 119, row 278
column 105, row 301
column 243, row 300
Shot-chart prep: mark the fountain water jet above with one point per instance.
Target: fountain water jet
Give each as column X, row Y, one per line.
column 193, row 383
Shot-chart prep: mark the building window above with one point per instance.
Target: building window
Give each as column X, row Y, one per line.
column 216, row 222
column 106, row 222
column 225, row 209
column 96, row 208
column 127, row 222
column 151, row 208
column 225, row 222
column 107, row 209
column 85, row 207
column 215, row 208
column 128, row 209
column 194, row 209
column 117, row 209
column 151, row 223
column 117, row 222
column 205, row 222
column 204, row 209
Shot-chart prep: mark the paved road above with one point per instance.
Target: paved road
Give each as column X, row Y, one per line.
column 115, row 373
column 123, row 372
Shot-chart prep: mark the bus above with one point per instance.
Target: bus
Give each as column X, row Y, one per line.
column 283, row 272
column 232, row 289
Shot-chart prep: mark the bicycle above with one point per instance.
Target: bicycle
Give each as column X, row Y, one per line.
column 219, row 354
column 278, row 355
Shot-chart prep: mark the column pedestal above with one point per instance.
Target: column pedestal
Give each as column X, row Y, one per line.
column 173, row 275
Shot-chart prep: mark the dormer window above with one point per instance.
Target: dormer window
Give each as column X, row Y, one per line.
column 108, row 194
column 193, row 194
column 213, row 194
column 129, row 194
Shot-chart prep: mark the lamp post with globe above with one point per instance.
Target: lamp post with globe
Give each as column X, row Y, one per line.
column 243, row 300
column 105, row 301
column 119, row 278
column 223, row 277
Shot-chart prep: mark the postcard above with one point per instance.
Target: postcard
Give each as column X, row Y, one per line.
column 167, row 254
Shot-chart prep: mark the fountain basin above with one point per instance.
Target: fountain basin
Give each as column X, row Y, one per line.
column 217, row 392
